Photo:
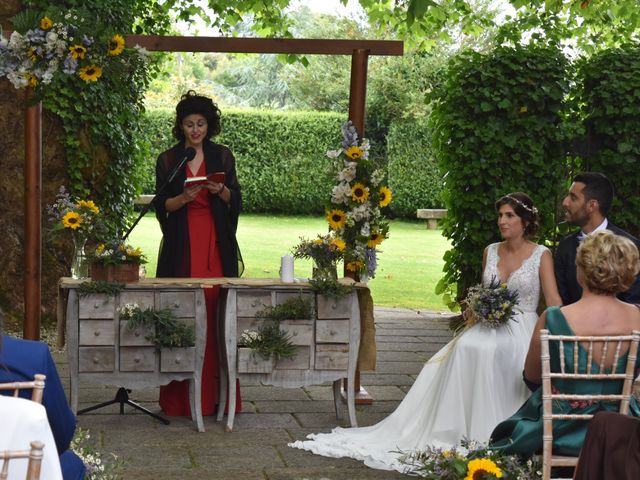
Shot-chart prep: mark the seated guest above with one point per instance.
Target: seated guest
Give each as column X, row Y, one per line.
column 23, row 422
column 607, row 264
column 611, row 448
column 20, row 360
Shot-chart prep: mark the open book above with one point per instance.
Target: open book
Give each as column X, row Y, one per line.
column 217, row 177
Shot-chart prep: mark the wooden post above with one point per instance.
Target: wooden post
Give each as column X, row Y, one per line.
column 32, row 216
column 357, row 102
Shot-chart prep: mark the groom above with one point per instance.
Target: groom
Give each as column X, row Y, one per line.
column 586, row 205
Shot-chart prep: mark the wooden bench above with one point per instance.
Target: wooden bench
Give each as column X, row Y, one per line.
column 431, row 215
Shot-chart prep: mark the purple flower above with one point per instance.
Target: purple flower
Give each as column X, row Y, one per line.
column 371, row 259
column 70, row 65
column 349, row 134
column 86, row 41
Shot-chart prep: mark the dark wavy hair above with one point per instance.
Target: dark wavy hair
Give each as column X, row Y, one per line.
column 523, row 207
column 191, row 103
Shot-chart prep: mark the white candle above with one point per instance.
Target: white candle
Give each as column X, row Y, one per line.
column 286, row 269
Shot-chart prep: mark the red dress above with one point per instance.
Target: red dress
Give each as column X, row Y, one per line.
column 205, row 263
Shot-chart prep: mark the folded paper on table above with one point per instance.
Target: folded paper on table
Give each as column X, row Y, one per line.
column 216, row 177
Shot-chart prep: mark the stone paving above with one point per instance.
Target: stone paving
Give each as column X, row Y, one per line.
column 271, row 417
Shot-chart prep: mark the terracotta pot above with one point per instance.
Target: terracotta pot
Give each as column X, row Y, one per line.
column 124, row 272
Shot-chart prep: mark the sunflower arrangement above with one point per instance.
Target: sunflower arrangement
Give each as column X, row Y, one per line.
column 325, row 250
column 354, row 212
column 469, row 461
column 43, row 47
column 80, row 217
column 114, row 252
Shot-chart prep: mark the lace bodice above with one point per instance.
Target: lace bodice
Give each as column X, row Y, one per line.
column 525, row 280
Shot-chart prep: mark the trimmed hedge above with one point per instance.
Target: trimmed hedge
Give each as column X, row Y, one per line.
column 281, row 156
column 414, row 177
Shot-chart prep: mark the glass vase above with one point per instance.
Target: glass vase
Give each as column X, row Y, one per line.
column 324, row 271
column 79, row 261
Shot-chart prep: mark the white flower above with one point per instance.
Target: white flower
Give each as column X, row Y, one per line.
column 341, row 193
column 142, row 52
column 333, row 153
column 376, row 177
column 365, row 231
column 348, row 173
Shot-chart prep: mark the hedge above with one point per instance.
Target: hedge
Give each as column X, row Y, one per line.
column 414, row 177
column 281, row 156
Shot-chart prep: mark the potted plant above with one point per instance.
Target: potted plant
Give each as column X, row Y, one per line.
column 113, row 261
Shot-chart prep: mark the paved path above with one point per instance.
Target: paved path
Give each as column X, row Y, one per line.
column 272, row 417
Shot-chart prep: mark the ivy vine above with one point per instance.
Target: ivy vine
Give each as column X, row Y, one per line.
column 496, row 122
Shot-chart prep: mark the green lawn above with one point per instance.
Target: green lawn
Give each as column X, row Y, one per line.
column 409, row 265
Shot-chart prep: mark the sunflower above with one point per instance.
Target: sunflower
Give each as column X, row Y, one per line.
column 32, row 55
column 359, row 193
column 88, row 204
column 100, row 248
column 91, row 73
column 385, row 196
column 339, row 244
column 479, row 467
column 77, row 51
column 354, row 153
column 336, row 219
column 32, row 80
column 72, row 220
column 46, row 23
column 375, row 239
column 116, row 45
column 354, row 265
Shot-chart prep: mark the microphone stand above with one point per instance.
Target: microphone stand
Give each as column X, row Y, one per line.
column 122, row 395
column 146, row 208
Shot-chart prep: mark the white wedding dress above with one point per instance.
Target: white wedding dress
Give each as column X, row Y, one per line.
column 467, row 388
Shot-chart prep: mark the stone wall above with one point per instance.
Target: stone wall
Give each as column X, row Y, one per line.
column 55, row 252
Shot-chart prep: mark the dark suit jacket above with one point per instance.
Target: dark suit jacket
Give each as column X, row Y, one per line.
column 565, row 267
column 20, row 360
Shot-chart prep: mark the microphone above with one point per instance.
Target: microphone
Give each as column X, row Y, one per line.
column 189, row 154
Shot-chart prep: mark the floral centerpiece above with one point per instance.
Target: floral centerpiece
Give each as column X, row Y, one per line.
column 79, row 217
column 43, row 47
column 325, row 251
column 493, row 305
column 116, row 261
column 469, row 461
column 354, row 213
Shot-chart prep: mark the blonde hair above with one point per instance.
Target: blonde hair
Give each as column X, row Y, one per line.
column 610, row 262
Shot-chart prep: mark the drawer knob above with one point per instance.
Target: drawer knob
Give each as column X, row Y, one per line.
column 136, row 359
column 332, row 332
column 97, row 333
column 176, row 305
column 96, row 305
column 96, row 360
column 255, row 303
column 178, row 359
column 137, row 333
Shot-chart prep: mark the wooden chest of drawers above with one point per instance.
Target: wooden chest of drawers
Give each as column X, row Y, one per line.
column 326, row 344
column 102, row 349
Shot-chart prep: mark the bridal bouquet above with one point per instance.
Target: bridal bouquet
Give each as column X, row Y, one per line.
column 493, row 305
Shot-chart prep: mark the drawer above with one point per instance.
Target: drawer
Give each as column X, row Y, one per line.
column 97, row 332
column 253, row 363
column 332, row 357
column 250, row 302
column 249, row 323
column 332, row 331
column 181, row 303
column 300, row 361
column 97, row 305
column 282, row 297
column 137, row 359
column 329, row 307
column 178, row 359
column 300, row 331
column 96, row 359
column 136, row 337
column 144, row 298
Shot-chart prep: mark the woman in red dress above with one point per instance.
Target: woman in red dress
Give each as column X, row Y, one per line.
column 199, row 230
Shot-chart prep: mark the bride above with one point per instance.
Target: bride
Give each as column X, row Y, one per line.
column 474, row 382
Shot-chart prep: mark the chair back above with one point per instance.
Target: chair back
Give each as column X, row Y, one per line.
column 34, row 455
column 595, row 371
column 36, row 386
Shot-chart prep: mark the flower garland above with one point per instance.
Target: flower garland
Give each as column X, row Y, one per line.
column 354, row 212
column 41, row 48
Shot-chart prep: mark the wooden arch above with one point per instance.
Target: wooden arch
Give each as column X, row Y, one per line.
column 360, row 50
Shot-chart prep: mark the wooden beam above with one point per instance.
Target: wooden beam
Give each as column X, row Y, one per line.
column 168, row 43
column 358, row 89
column 32, row 216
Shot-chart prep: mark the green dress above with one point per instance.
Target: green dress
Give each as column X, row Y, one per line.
column 522, row 432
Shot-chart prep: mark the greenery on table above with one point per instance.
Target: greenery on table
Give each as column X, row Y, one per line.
column 269, row 341
column 330, row 287
column 497, row 123
column 100, row 286
column 167, row 330
column 299, row 307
